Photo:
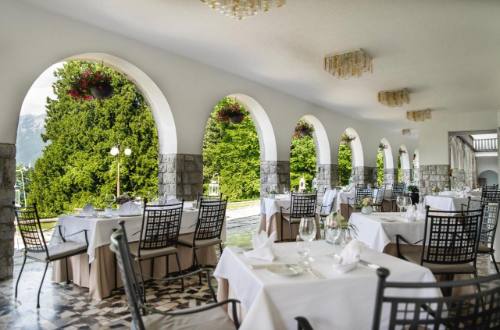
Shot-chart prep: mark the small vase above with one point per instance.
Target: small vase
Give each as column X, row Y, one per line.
column 366, row 209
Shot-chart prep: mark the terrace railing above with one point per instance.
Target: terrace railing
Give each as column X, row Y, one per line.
column 485, row 145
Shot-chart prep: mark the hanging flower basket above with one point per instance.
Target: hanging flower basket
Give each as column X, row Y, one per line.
column 382, row 146
column 402, row 151
column 303, row 129
column 346, row 138
column 91, row 85
column 231, row 112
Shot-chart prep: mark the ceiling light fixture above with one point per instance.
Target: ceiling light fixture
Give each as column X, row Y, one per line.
column 394, row 98
column 240, row 9
column 419, row 115
column 349, row 64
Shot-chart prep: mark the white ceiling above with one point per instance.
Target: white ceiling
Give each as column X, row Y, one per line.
column 446, row 52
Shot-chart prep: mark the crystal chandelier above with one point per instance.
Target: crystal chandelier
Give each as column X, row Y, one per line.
column 395, row 98
column 350, row 64
column 419, row 115
column 240, row 9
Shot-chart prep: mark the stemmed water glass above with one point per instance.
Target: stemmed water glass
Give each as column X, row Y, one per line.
column 307, row 232
column 403, row 202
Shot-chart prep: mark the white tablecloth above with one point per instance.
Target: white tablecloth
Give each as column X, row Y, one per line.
column 99, row 229
column 271, row 206
column 376, row 231
column 343, row 197
column 339, row 301
column 445, row 203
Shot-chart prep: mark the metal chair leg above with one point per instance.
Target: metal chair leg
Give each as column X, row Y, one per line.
column 281, row 226
column 290, row 229
column 179, row 269
column 19, row 276
column 41, row 283
column 220, row 248
column 151, row 272
column 67, row 270
column 166, row 266
column 494, row 262
column 142, row 280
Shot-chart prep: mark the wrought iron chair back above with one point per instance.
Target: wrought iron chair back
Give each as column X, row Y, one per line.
column 378, row 196
column 398, row 189
column 361, row 194
column 200, row 197
column 490, row 223
column 490, row 195
column 360, row 186
column 303, row 205
column 410, row 310
column 451, row 237
column 211, row 217
column 29, row 226
column 160, row 226
column 133, row 289
column 491, row 187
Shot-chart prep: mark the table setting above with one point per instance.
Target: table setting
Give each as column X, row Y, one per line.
column 323, row 275
column 96, row 269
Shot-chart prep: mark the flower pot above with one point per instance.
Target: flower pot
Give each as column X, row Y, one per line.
column 366, row 209
column 414, row 197
column 101, row 91
column 236, row 118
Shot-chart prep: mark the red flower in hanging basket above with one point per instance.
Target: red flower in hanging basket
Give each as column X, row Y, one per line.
column 231, row 112
column 91, row 85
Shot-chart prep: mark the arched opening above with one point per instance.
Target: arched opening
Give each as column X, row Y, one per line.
column 385, row 163
column 309, row 155
column 403, row 173
column 231, row 152
column 82, row 125
column 488, row 178
column 415, row 168
column 350, row 156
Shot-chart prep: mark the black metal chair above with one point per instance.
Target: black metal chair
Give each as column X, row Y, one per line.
column 378, row 199
column 210, row 316
column 491, row 187
column 211, row 217
column 199, row 197
column 398, row 189
column 491, row 195
column 302, row 205
column 303, row 323
column 488, row 231
column 36, row 248
column 450, row 242
column 158, row 235
column 359, row 195
column 410, row 310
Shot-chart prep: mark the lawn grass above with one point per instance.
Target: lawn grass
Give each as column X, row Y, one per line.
column 241, row 204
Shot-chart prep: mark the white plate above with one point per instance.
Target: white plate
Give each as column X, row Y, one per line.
column 288, row 270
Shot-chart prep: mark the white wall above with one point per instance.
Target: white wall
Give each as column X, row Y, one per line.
column 433, row 134
column 487, row 164
column 32, row 40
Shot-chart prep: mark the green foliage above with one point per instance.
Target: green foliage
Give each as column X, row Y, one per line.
column 345, row 164
column 232, row 152
column 76, row 167
column 302, row 161
column 399, row 173
column 380, row 167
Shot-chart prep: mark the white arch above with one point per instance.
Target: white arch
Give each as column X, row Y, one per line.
column 164, row 119
column 267, row 140
column 320, row 139
column 388, row 160
column 356, row 148
column 404, row 157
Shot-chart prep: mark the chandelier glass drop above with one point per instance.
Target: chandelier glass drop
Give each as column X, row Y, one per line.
column 240, row 9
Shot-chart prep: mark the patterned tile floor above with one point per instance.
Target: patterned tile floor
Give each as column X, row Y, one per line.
column 69, row 307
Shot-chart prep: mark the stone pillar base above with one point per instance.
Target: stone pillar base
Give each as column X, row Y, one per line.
column 364, row 175
column 389, row 176
column 433, row 176
column 274, row 176
column 7, row 195
column 458, row 178
column 180, row 175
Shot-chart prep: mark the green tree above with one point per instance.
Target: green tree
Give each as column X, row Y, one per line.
column 76, row 167
column 399, row 176
column 302, row 161
column 232, row 151
column 345, row 163
column 380, row 167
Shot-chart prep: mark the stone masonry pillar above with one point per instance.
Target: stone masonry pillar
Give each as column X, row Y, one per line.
column 389, row 176
column 364, row 175
column 433, row 176
column 274, row 176
column 7, row 195
column 180, row 175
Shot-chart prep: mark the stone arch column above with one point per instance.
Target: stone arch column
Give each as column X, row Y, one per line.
column 389, row 170
column 404, row 158
column 325, row 171
column 360, row 173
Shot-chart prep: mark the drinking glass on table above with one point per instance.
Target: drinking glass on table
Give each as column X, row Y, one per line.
column 400, row 202
column 307, row 231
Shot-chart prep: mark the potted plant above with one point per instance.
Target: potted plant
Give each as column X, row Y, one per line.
column 366, row 205
column 231, row 112
column 346, row 138
column 303, row 129
column 338, row 229
column 91, row 85
column 414, row 194
column 382, row 146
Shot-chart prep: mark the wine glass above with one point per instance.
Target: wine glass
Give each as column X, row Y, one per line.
column 307, row 231
column 400, row 202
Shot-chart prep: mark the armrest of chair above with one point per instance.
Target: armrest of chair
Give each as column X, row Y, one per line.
column 84, row 231
column 234, row 311
column 400, row 238
column 303, row 323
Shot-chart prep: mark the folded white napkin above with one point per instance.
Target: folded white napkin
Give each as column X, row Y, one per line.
column 129, row 208
column 262, row 247
column 349, row 257
column 88, row 209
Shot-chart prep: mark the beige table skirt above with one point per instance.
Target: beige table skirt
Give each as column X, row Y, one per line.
column 274, row 225
column 100, row 276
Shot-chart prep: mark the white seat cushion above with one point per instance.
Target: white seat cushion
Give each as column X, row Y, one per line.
column 200, row 242
column 212, row 319
column 147, row 254
column 59, row 251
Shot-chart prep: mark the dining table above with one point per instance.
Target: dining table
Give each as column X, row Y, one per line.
column 328, row 299
column 97, row 269
column 346, row 198
column 378, row 230
column 448, row 201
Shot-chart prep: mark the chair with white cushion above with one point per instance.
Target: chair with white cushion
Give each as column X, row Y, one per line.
column 36, row 248
column 326, row 206
column 210, row 316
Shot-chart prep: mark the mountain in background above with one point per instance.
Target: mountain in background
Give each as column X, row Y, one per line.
column 29, row 143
